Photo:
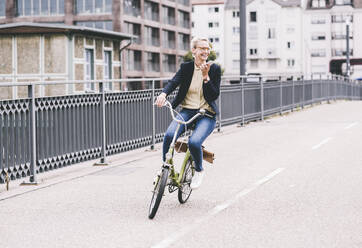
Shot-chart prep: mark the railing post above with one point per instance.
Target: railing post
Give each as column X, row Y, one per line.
column 280, row 95
column 153, row 117
column 242, row 101
column 103, row 126
column 303, row 91
column 33, row 152
column 328, row 89
column 219, row 126
column 261, row 98
column 292, row 95
column 312, row 89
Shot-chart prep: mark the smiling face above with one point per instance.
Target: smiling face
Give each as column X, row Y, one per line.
column 201, row 51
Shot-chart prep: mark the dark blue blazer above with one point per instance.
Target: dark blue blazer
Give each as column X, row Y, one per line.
column 183, row 79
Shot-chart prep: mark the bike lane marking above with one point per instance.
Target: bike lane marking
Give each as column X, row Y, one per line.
column 217, row 209
column 325, row 141
column 351, row 125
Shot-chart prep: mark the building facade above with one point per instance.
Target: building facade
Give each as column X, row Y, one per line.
column 325, row 36
column 36, row 52
column 274, row 37
column 208, row 21
column 295, row 37
column 163, row 27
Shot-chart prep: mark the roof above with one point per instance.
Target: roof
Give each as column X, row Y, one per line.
column 43, row 28
column 207, row 2
column 234, row 4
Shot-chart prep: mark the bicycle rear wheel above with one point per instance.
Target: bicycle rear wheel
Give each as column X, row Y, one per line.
column 158, row 193
column 185, row 190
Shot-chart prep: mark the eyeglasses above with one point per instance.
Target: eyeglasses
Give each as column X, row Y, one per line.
column 204, row 49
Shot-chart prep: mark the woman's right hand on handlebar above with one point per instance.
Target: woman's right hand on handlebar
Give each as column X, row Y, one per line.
column 161, row 100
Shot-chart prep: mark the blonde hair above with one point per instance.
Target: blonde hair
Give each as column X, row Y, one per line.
column 195, row 40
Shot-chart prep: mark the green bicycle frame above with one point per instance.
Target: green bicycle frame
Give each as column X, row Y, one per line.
column 177, row 177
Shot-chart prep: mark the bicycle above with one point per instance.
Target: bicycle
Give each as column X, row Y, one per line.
column 168, row 175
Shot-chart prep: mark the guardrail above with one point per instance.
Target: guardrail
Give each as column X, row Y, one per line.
column 38, row 134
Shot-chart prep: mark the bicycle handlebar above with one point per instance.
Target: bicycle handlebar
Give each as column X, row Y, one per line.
column 201, row 112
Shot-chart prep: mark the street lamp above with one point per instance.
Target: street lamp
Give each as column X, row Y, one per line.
column 242, row 18
column 347, row 45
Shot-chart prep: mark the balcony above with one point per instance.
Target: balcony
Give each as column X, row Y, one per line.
column 340, row 36
column 341, row 52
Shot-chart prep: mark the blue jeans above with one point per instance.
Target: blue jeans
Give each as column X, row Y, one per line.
column 204, row 126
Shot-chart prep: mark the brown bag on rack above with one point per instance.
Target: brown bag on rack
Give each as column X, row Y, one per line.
column 181, row 146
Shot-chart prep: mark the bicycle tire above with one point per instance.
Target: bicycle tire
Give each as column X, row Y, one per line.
column 158, row 193
column 185, row 190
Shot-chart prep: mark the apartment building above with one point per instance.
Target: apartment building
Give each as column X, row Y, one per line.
column 163, row 28
column 208, row 21
column 325, row 36
column 274, row 37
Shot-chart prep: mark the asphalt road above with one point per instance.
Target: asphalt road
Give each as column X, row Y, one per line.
column 289, row 181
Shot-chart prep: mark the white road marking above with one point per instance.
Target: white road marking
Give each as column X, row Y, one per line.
column 351, row 125
column 325, row 141
column 173, row 237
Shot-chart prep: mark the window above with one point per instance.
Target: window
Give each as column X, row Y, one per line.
column 216, row 40
column 341, row 18
column 153, row 61
column 272, row 63
column 211, row 40
column 343, row 2
column 213, row 24
column 184, row 19
column 236, row 30
column 291, row 62
column 151, row 11
column 183, row 41
column 213, row 9
column 252, row 16
column 318, row 20
column 152, row 36
column 254, row 64
column 107, row 25
column 290, row 29
column 318, row 53
column 168, row 15
column 132, row 7
column 134, row 60
column 235, row 14
column 290, row 44
column 253, row 51
column 169, row 63
column 107, row 69
column 93, row 7
column 2, row 8
column 89, row 71
column 318, row 36
column 271, row 33
column 135, row 29
column 38, row 7
column 318, row 3
column 169, row 39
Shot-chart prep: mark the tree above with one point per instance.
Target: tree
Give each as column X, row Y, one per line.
column 188, row 56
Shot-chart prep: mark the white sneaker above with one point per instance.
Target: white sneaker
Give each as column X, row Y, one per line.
column 197, row 179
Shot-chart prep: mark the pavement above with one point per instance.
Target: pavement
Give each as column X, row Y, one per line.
column 289, row 181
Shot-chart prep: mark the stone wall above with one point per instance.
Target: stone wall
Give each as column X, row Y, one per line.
column 6, row 55
column 55, row 48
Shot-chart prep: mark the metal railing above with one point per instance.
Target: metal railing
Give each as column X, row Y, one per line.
column 44, row 133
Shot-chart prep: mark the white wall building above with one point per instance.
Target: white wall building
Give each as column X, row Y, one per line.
column 294, row 37
column 325, row 36
column 274, row 37
column 208, row 21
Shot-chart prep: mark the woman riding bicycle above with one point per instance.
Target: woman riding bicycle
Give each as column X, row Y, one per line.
column 199, row 87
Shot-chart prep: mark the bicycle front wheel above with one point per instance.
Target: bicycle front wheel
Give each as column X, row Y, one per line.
column 158, row 193
column 185, row 190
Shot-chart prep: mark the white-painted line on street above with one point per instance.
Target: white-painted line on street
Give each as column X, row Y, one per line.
column 173, row 237
column 325, row 141
column 351, row 125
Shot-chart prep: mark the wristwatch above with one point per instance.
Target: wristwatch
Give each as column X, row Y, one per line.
column 204, row 80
